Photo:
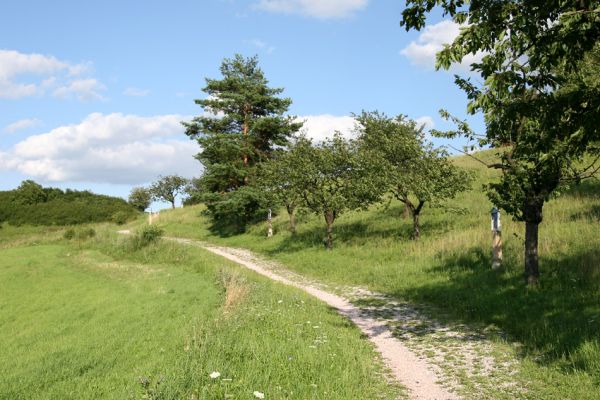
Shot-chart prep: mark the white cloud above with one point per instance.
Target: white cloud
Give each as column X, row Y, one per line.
column 259, row 44
column 319, row 127
column 136, row 92
column 21, row 125
column 82, row 89
column 426, row 122
column 432, row 40
column 323, row 9
column 113, row 148
column 24, row 75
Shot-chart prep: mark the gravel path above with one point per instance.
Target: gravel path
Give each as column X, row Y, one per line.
column 420, row 377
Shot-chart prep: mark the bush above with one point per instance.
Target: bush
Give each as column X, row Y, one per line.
column 120, row 217
column 69, row 234
column 86, row 233
column 147, row 235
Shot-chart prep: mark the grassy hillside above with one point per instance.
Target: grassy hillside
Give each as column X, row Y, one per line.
column 90, row 318
column 557, row 323
column 57, row 207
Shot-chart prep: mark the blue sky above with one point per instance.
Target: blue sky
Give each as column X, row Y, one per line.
column 91, row 95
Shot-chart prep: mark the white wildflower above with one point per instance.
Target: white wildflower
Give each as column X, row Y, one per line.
column 215, row 374
column 259, row 395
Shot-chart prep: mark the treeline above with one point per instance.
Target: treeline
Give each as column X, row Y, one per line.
column 32, row 204
column 255, row 163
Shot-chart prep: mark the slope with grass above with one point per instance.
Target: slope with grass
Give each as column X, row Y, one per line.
column 96, row 318
column 554, row 327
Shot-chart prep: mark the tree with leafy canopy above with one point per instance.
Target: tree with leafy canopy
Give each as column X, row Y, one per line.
column 535, row 95
column 30, row 192
column 243, row 123
column 167, row 188
column 140, row 198
column 416, row 172
column 333, row 177
column 280, row 179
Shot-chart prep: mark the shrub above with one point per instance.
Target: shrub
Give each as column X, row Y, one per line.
column 147, row 235
column 86, row 233
column 69, row 234
column 120, row 217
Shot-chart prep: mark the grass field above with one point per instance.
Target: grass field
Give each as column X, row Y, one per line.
column 89, row 319
column 556, row 323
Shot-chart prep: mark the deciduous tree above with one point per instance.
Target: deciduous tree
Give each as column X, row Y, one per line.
column 416, row 172
column 530, row 94
column 140, row 198
column 167, row 188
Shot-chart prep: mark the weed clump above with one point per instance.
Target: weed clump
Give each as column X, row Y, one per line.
column 144, row 237
column 80, row 234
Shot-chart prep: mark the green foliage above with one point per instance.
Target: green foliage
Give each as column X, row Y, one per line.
column 120, row 217
column 140, row 198
column 330, row 178
column 30, row 193
column 167, row 188
column 68, row 207
column 80, row 234
column 538, row 94
column 69, row 234
column 245, row 122
column 415, row 172
column 194, row 192
column 144, row 237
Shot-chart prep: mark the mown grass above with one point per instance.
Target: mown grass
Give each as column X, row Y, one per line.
column 91, row 318
column 557, row 323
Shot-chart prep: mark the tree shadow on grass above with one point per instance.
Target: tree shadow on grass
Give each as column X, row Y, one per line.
column 354, row 234
column 593, row 214
column 552, row 321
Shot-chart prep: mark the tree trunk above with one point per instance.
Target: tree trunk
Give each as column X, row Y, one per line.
column 532, row 269
column 532, row 214
column 329, row 218
column 416, row 229
column 173, row 204
column 291, row 213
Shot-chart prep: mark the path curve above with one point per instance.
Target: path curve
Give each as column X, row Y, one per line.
column 415, row 373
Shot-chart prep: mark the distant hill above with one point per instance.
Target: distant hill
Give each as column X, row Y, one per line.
column 31, row 204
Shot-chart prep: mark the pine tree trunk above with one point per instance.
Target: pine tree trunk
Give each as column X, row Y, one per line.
column 532, row 269
column 291, row 213
column 329, row 218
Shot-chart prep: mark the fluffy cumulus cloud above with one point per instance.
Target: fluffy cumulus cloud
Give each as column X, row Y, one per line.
column 319, row 127
column 23, row 75
column 422, row 51
column 113, row 148
column 22, row 124
column 314, row 8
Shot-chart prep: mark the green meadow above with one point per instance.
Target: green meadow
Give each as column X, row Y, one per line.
column 555, row 325
column 90, row 318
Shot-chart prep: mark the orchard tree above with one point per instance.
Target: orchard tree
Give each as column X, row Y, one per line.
column 244, row 121
column 140, row 198
column 167, row 188
column 334, row 177
column 416, row 172
column 531, row 93
column 280, row 179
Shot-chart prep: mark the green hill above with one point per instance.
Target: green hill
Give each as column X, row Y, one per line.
column 30, row 204
column 556, row 325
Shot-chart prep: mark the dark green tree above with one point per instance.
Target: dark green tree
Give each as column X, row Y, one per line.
column 167, row 188
column 140, row 198
column 30, row 192
column 333, row 177
column 530, row 93
column 243, row 123
column 416, row 172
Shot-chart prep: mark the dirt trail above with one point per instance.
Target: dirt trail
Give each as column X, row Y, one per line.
column 421, row 378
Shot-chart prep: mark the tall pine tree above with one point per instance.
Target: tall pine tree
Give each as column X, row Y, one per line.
column 243, row 122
